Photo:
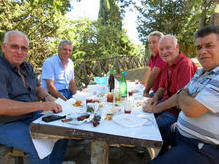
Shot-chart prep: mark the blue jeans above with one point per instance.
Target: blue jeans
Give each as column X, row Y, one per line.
column 66, row 93
column 164, row 121
column 186, row 151
column 17, row 134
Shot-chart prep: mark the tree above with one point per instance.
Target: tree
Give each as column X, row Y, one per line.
column 40, row 20
column 179, row 17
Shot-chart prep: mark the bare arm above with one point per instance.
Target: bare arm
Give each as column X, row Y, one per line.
column 13, row 108
column 189, row 106
column 44, row 95
column 73, row 86
column 169, row 103
column 52, row 89
column 153, row 76
column 146, row 76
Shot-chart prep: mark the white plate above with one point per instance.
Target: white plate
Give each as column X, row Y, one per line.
column 130, row 120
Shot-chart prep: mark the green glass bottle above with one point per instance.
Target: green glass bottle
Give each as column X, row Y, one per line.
column 123, row 86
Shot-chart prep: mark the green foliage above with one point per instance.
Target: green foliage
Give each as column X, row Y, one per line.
column 39, row 19
column 45, row 24
column 179, row 17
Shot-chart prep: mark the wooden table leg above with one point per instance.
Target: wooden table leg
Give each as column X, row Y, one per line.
column 99, row 152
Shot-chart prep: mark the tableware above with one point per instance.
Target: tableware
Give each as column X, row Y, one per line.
column 130, row 120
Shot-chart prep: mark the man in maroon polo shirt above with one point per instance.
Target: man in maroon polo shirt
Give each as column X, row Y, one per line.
column 156, row 64
column 176, row 75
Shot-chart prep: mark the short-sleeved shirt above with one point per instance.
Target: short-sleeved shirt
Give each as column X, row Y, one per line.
column 12, row 86
column 53, row 70
column 180, row 73
column 206, row 126
column 156, row 61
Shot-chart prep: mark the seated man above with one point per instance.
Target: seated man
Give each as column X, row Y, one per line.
column 197, row 132
column 58, row 73
column 175, row 76
column 156, row 64
column 19, row 91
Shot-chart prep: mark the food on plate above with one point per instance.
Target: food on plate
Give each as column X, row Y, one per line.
column 78, row 103
column 127, row 111
column 92, row 100
column 96, row 120
column 67, row 120
column 81, row 118
column 90, row 109
column 108, row 117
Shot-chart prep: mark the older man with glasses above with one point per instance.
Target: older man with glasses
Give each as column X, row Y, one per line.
column 19, row 90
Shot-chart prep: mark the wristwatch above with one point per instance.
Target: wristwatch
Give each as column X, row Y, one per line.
column 178, row 92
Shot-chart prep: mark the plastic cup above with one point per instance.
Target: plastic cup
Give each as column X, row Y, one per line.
column 110, row 97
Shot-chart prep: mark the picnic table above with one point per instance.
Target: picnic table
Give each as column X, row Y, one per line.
column 140, row 129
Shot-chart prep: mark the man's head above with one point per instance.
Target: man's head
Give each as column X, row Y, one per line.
column 168, row 49
column 153, row 40
column 207, row 47
column 65, row 50
column 15, row 47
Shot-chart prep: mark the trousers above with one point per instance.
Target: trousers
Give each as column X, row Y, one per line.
column 17, row 134
column 189, row 151
column 66, row 93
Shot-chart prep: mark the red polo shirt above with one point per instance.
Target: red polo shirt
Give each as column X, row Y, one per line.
column 156, row 61
column 180, row 73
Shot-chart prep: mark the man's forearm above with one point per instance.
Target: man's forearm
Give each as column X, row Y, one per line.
column 189, row 105
column 152, row 78
column 146, row 76
column 55, row 93
column 159, row 94
column 73, row 87
column 169, row 103
column 12, row 108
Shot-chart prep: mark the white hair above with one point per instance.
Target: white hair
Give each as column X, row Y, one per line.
column 15, row 32
column 169, row 36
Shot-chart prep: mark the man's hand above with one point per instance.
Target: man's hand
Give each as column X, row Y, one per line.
column 146, row 94
column 51, row 106
column 150, row 106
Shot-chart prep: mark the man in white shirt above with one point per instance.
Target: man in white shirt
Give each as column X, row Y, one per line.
column 58, row 72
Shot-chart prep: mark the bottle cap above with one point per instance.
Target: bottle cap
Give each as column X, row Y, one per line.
column 124, row 73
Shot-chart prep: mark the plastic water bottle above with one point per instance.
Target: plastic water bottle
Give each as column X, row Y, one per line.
column 123, row 85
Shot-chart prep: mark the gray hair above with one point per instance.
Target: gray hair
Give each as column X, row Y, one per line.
column 169, row 36
column 155, row 33
column 64, row 42
column 15, row 32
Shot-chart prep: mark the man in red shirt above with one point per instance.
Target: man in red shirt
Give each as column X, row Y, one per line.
column 156, row 64
column 175, row 76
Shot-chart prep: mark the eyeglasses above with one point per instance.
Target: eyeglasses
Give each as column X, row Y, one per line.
column 16, row 47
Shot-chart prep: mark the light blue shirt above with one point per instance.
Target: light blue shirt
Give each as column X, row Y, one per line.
column 204, row 127
column 53, row 70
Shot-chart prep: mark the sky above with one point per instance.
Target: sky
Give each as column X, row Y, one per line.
column 89, row 9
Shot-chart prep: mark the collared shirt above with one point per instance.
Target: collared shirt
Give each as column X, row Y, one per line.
column 204, row 127
column 12, row 85
column 53, row 70
column 180, row 73
column 156, row 61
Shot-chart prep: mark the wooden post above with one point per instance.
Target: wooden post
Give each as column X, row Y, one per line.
column 99, row 152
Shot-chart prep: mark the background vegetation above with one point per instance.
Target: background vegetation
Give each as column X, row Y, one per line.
column 45, row 24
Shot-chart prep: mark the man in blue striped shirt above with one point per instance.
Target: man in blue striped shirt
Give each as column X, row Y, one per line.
column 196, row 138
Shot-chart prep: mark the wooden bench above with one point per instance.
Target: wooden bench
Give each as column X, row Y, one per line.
column 9, row 155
